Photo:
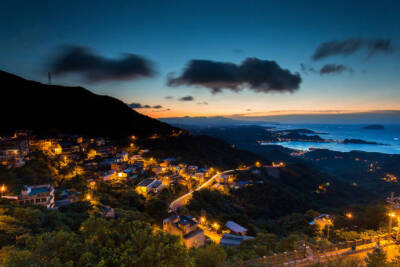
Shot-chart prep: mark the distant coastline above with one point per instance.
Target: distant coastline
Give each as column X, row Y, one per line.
column 373, row 127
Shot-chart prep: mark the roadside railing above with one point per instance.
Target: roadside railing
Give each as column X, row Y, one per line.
column 312, row 253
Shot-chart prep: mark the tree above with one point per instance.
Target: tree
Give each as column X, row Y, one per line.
column 209, row 256
column 377, row 258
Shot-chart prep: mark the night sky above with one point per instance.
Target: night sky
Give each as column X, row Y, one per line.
column 206, row 58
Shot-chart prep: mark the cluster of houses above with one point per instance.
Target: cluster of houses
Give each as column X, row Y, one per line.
column 193, row 234
column 109, row 164
column 13, row 150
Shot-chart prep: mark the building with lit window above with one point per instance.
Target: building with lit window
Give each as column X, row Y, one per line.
column 42, row 195
column 185, row 227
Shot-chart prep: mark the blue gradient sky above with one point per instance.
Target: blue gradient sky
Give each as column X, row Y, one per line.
column 170, row 33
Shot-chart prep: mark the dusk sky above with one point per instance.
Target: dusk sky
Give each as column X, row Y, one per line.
column 252, row 58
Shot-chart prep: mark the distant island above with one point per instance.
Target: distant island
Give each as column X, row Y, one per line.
column 360, row 142
column 373, row 127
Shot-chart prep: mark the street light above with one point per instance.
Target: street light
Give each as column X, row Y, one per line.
column 215, row 226
column 2, row 189
column 391, row 216
column 88, row 197
column 349, row 215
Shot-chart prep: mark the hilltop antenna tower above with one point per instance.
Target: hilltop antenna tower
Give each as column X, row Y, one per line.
column 49, row 77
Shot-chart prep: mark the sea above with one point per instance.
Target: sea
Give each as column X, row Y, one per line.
column 390, row 136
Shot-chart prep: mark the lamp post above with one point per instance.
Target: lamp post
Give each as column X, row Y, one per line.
column 398, row 228
column 391, row 214
column 2, row 189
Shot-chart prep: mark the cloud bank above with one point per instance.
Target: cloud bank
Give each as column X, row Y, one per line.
column 96, row 68
column 186, row 98
column 261, row 76
column 138, row 106
column 326, row 69
column 352, row 45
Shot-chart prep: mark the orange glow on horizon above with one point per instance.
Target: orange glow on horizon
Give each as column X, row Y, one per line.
column 272, row 113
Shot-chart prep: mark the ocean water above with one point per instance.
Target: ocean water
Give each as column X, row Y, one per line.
column 389, row 136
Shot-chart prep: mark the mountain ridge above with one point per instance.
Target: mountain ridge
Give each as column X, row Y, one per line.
column 54, row 108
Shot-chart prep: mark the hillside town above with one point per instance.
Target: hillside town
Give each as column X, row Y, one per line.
column 131, row 167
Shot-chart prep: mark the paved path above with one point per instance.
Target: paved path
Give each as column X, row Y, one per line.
column 183, row 200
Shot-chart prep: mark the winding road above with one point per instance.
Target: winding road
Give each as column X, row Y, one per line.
column 183, row 200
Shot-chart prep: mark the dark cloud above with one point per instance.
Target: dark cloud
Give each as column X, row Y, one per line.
column 96, row 68
column 380, row 45
column 352, row 45
column 334, row 69
column 261, row 76
column 138, row 105
column 186, row 98
column 326, row 69
column 169, row 97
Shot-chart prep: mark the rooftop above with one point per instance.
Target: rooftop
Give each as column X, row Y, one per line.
column 146, row 182
column 38, row 190
column 235, row 227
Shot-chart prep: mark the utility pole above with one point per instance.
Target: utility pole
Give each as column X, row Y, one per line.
column 327, row 235
column 390, row 213
column 398, row 230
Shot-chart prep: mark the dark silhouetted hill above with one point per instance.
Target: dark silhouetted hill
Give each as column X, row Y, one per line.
column 52, row 109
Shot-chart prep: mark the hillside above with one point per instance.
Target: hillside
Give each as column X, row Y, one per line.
column 51, row 109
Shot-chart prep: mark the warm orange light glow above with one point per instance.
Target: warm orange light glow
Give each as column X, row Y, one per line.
column 349, row 215
column 215, row 226
column 88, row 197
column 3, row 188
column 202, row 220
column 258, row 164
column 392, row 214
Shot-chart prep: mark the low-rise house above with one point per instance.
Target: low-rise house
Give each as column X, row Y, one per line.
column 70, row 147
column 199, row 176
column 142, row 151
column 156, row 187
column 229, row 240
column 37, row 195
column 100, row 141
column 124, row 156
column 49, row 146
column 131, row 173
column 157, row 170
column 145, row 186
column 225, row 178
column 243, row 183
column 13, row 151
column 114, row 175
column 185, row 227
column 106, row 211
column 236, row 228
column 106, row 150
